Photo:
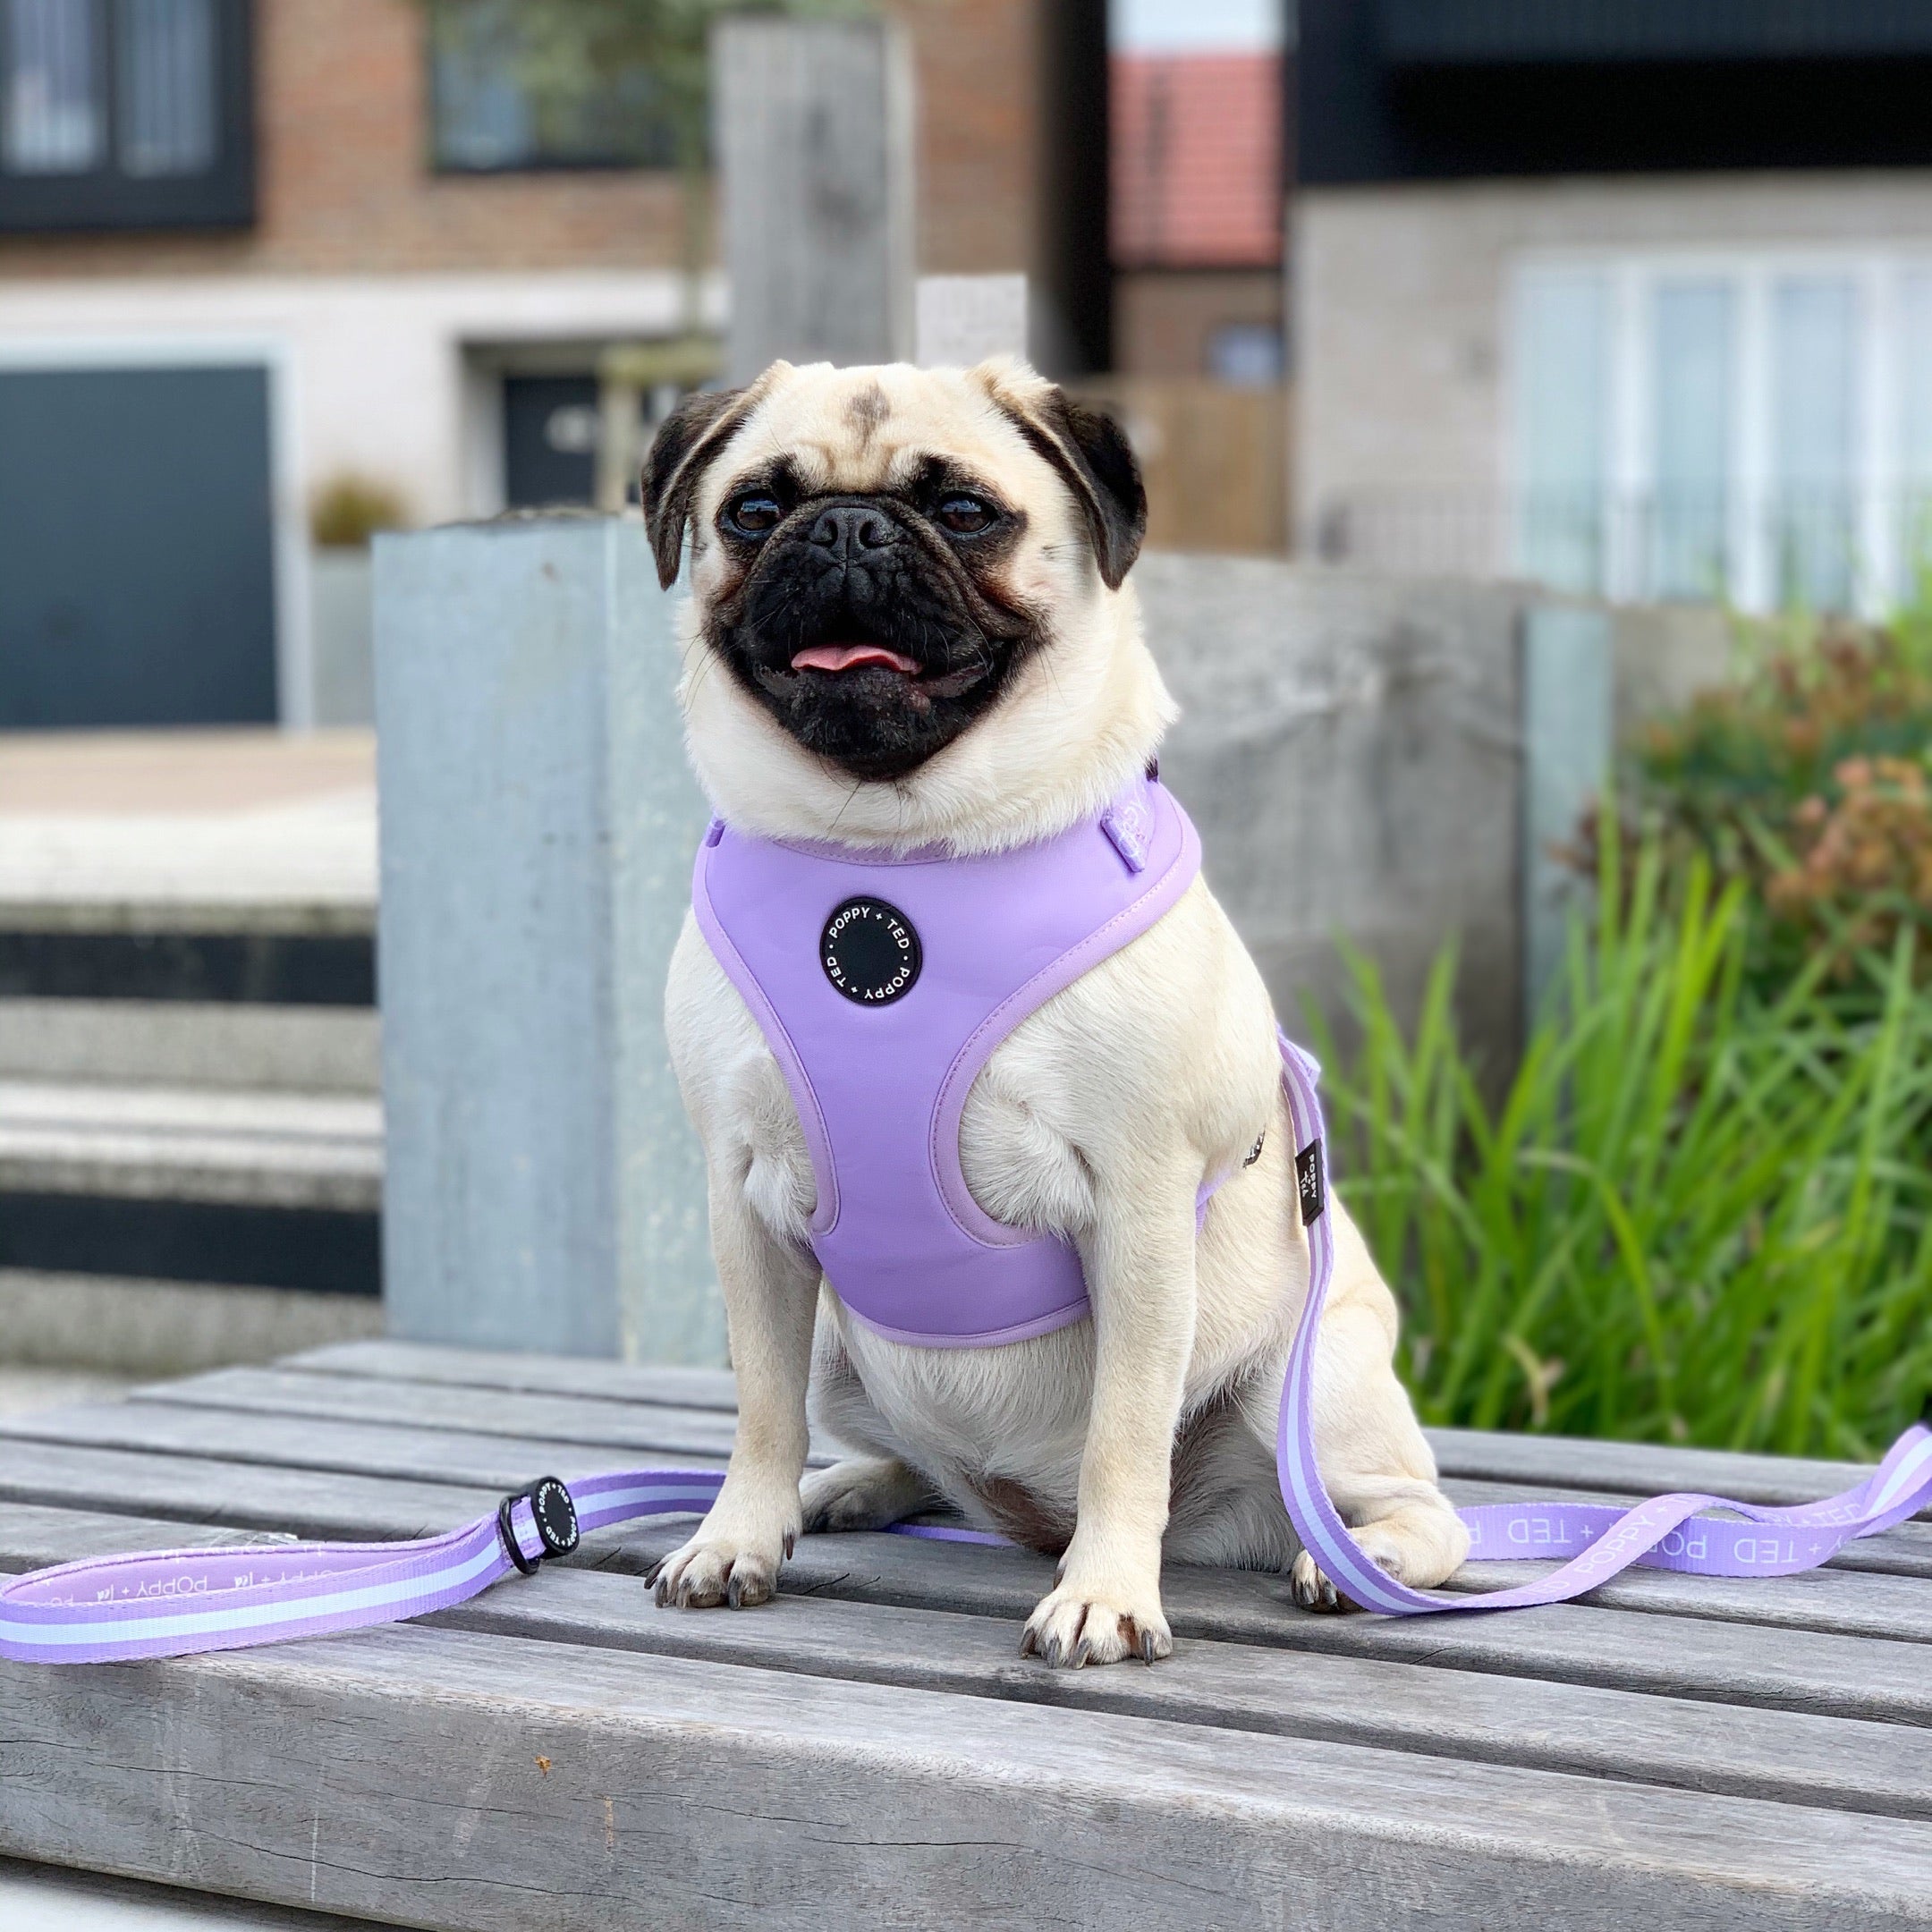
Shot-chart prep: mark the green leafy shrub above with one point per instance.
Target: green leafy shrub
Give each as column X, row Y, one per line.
column 348, row 510
column 1698, row 1214
column 1807, row 780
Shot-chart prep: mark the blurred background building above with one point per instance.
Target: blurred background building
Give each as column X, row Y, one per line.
column 274, row 270
column 1199, row 104
column 1632, row 298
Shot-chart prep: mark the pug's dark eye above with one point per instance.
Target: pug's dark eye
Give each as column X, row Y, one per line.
column 965, row 516
column 754, row 513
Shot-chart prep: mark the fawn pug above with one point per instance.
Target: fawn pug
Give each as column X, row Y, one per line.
column 912, row 629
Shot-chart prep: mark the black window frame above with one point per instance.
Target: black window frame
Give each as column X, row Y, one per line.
column 106, row 198
column 1392, row 91
column 1476, row 33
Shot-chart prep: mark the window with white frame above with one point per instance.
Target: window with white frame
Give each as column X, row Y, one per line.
column 1757, row 429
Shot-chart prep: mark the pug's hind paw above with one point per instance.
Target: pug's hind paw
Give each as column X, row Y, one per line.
column 1422, row 1545
column 863, row 1493
column 1312, row 1589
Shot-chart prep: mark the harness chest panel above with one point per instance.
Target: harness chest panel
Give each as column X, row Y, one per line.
column 883, row 985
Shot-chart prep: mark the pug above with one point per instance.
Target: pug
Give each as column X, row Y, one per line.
column 911, row 624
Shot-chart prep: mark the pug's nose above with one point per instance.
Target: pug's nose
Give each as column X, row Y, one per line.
column 850, row 532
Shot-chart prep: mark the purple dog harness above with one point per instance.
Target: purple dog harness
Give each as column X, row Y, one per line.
column 883, row 987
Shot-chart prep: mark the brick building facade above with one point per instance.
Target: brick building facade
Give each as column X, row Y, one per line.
column 381, row 314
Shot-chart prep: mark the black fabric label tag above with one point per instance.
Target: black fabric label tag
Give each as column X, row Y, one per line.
column 1309, row 1183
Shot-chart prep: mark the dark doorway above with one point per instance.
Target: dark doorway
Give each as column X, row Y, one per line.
column 550, row 439
column 137, row 566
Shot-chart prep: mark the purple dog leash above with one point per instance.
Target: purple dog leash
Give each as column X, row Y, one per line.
column 171, row 1603
column 1667, row 1532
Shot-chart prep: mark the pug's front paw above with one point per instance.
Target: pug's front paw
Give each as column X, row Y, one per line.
column 712, row 1570
column 1081, row 1623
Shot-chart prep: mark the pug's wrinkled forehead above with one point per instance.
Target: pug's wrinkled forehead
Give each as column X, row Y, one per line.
column 859, row 430
column 820, row 432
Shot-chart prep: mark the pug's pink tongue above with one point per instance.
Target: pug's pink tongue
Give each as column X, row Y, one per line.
column 849, row 656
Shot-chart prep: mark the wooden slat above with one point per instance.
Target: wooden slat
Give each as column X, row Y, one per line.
column 1679, row 1750
column 498, row 1463
column 586, row 1420
column 536, row 1375
column 1824, row 1600
column 33, row 1535
column 1832, row 1599
column 1852, row 1603
column 1570, row 1643
column 470, row 1782
column 1798, row 1759
column 1790, row 1757
column 308, row 1503
column 1519, row 1461
column 1639, row 1469
column 1682, row 1657
column 53, row 1898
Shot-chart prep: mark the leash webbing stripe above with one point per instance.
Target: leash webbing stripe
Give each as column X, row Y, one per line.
column 173, row 1603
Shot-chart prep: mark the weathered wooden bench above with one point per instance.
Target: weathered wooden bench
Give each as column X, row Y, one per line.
column 869, row 1748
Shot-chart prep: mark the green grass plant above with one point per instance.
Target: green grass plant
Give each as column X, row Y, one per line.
column 1699, row 1212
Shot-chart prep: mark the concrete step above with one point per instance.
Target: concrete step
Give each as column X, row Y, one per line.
column 189, row 831
column 191, row 1144
column 24, row 1390
column 131, row 1329
column 272, row 1191
column 184, row 1043
column 190, row 1137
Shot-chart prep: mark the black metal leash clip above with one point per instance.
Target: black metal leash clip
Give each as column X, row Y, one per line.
column 552, row 1510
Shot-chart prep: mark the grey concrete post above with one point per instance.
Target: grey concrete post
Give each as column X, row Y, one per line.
column 1569, row 723
column 539, row 819
column 1347, row 747
column 813, row 125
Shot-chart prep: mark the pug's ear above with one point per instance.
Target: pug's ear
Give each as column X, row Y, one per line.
column 687, row 442
column 1095, row 459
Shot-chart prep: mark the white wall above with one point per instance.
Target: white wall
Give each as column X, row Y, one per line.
column 1402, row 295
column 369, row 375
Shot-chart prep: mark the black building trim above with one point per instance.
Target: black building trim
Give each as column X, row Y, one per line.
column 318, row 1251
column 265, row 969
column 108, row 199
column 1490, row 32
column 1447, row 89
column 1077, row 281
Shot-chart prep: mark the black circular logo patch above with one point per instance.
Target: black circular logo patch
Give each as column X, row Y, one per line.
column 556, row 1515
column 870, row 952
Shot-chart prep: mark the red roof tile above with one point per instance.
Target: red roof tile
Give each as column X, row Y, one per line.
column 1197, row 159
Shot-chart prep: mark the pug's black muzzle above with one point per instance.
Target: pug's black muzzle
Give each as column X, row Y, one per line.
column 856, row 570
